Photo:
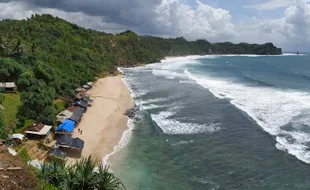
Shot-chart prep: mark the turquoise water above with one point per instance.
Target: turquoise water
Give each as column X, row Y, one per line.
column 219, row 122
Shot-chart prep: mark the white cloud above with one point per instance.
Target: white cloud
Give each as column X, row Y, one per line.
column 290, row 32
column 272, row 5
column 176, row 18
column 204, row 21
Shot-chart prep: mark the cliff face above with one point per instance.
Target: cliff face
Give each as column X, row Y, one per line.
column 21, row 178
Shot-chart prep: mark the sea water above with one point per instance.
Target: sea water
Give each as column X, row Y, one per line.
column 218, row 122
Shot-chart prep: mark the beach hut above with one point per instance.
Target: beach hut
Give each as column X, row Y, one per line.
column 80, row 89
column 72, row 109
column 90, row 84
column 77, row 115
column 56, row 153
column 7, row 86
column 38, row 129
column 86, row 87
column 18, row 137
column 66, row 141
column 82, row 104
column 62, row 116
column 66, row 127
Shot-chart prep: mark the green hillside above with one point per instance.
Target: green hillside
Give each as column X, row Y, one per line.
column 49, row 57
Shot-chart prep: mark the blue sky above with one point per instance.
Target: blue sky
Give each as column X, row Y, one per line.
column 286, row 23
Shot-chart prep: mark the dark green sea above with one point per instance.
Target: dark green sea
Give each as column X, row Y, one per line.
column 218, row 122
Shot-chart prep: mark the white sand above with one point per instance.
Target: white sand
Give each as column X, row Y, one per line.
column 104, row 122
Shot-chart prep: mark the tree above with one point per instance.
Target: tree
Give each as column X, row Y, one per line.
column 25, row 80
column 82, row 175
column 38, row 103
column 3, row 130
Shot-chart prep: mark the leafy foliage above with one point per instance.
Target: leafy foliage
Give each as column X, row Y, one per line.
column 3, row 128
column 54, row 54
column 81, row 175
column 38, row 103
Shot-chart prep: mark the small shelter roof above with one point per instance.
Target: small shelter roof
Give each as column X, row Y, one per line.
column 86, row 86
column 77, row 115
column 36, row 127
column 7, row 85
column 90, row 83
column 82, row 104
column 18, row 136
column 66, row 113
column 57, row 153
column 78, row 143
column 62, row 116
column 2, row 107
column 78, row 97
column 42, row 130
column 69, row 142
column 80, row 89
column 67, row 125
column 72, row 109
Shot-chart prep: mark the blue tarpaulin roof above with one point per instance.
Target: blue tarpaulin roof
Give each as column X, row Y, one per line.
column 67, row 125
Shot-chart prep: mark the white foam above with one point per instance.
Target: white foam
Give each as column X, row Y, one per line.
column 152, row 101
column 187, row 81
column 168, row 74
column 172, row 126
column 123, row 142
column 133, row 94
column 152, row 106
column 271, row 108
column 182, row 142
column 299, row 150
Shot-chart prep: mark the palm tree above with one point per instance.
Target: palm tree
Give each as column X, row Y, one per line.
column 108, row 181
column 83, row 175
column 54, row 172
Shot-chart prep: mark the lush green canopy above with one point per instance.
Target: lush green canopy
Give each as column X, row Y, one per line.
column 49, row 57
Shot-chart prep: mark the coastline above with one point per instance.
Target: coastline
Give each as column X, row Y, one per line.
column 104, row 123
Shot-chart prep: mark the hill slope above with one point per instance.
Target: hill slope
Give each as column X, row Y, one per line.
column 49, row 57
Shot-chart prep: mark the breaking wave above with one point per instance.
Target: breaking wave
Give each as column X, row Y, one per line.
column 271, row 108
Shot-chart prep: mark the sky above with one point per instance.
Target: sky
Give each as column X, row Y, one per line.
column 286, row 23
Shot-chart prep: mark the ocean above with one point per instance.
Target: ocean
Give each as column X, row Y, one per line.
column 218, row 122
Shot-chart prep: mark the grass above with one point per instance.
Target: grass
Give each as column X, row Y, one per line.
column 11, row 103
column 23, row 153
column 27, row 123
column 59, row 105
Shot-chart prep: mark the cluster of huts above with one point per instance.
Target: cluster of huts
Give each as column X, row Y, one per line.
column 68, row 120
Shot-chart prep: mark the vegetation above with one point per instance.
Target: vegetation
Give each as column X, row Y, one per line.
column 11, row 102
column 23, row 153
column 59, row 105
column 81, row 175
column 49, row 57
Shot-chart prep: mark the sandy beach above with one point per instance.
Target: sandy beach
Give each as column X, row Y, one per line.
column 104, row 122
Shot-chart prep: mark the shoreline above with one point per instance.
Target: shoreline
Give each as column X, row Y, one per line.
column 105, row 123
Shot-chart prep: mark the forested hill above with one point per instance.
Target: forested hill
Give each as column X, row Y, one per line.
column 179, row 46
column 49, row 57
